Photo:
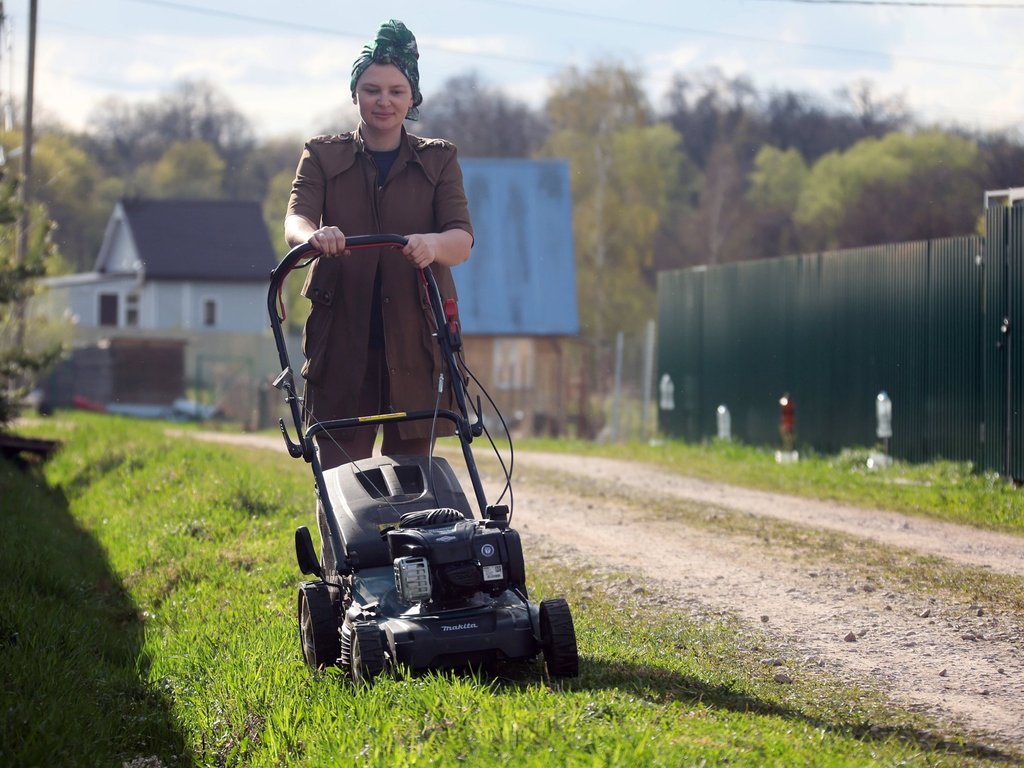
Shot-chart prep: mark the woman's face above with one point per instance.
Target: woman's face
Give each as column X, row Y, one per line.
column 384, row 97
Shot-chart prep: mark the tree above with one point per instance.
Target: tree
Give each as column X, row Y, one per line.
column 773, row 191
column 709, row 109
column 262, row 164
column 877, row 116
column 718, row 228
column 190, row 169
column 623, row 171
column 23, row 355
column 777, row 178
column 124, row 137
column 802, row 122
column 1002, row 160
column 900, row 187
column 274, row 205
column 482, row 121
column 76, row 193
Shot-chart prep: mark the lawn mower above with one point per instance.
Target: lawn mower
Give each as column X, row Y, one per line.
column 408, row 576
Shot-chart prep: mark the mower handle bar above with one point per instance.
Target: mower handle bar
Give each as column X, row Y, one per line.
column 289, row 262
column 292, row 259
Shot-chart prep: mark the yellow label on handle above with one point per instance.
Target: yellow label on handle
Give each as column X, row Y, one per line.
column 383, row 417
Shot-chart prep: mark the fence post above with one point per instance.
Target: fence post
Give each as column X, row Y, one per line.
column 617, row 394
column 648, row 377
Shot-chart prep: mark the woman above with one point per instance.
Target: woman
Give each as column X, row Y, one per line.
column 367, row 341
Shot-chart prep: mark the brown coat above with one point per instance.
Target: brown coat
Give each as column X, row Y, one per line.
column 335, row 185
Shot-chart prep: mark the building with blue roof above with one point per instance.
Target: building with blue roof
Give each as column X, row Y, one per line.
column 517, row 292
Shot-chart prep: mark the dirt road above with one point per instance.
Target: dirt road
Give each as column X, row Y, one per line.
column 758, row 556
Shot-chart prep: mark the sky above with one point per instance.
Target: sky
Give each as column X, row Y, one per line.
column 285, row 65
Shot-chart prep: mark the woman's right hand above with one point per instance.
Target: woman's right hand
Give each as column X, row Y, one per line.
column 330, row 241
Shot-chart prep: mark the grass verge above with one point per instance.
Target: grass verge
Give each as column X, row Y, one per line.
column 883, row 566
column 943, row 490
column 169, row 606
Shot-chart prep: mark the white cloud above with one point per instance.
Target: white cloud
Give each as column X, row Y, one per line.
column 288, row 80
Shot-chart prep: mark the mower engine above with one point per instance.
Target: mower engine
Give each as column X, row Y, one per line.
column 450, row 562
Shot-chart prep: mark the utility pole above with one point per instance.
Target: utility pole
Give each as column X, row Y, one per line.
column 25, row 188
column 3, row 96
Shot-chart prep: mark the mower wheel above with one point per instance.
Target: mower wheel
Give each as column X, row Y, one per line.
column 318, row 626
column 367, row 652
column 558, row 639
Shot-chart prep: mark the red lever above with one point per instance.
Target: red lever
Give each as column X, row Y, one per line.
column 451, row 313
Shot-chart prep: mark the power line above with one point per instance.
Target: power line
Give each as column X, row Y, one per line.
column 907, row 4
column 593, row 17
column 321, row 30
column 278, row 24
column 743, row 38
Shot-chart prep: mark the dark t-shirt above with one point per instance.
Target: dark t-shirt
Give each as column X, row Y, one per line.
column 383, row 161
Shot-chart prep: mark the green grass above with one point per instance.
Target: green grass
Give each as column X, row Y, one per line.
column 147, row 618
column 942, row 490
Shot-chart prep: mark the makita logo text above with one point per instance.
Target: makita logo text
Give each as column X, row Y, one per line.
column 459, row 627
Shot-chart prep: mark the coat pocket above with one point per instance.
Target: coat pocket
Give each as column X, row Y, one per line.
column 315, row 335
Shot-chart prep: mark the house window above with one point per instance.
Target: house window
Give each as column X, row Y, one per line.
column 131, row 310
column 108, row 309
column 209, row 313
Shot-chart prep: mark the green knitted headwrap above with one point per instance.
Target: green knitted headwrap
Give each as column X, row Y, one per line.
column 396, row 45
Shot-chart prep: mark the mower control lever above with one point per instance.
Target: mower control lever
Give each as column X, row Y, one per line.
column 477, row 427
column 294, row 450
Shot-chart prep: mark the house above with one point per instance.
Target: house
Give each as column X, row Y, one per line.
column 197, row 273
column 189, row 273
column 176, row 265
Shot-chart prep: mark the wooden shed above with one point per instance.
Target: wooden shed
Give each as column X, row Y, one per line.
column 133, row 371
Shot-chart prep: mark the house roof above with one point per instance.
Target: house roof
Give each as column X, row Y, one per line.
column 196, row 240
column 521, row 276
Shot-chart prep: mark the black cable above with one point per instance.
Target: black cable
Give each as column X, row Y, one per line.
column 508, row 433
column 433, row 431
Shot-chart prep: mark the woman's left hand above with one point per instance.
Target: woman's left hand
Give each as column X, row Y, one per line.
column 421, row 250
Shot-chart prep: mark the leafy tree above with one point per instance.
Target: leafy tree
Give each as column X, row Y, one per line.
column 23, row 354
column 261, row 166
column 75, row 192
column 190, row 169
column 900, row 187
column 777, row 178
column 482, row 121
column 623, row 171
column 124, row 137
column 296, row 307
column 600, row 101
column 774, row 187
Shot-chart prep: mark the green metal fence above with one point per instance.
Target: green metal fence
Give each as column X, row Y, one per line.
column 923, row 321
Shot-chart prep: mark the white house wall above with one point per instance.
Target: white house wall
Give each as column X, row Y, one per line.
column 124, row 256
column 164, row 306
column 240, row 308
column 82, row 299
